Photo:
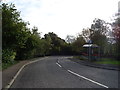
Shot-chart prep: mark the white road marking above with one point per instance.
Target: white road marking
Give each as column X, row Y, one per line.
column 59, row 65
column 87, row 79
column 16, row 75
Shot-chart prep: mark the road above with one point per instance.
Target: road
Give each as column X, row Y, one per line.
column 60, row 72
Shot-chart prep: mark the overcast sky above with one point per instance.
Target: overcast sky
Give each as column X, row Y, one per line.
column 64, row 17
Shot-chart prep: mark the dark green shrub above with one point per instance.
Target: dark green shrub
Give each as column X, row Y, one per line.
column 8, row 56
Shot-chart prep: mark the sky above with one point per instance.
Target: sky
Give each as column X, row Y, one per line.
column 64, row 17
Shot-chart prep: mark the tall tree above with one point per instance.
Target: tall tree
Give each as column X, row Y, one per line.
column 98, row 33
column 77, row 45
column 116, row 32
column 15, row 32
column 55, row 43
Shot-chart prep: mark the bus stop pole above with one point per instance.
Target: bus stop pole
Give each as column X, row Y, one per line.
column 99, row 52
column 89, row 54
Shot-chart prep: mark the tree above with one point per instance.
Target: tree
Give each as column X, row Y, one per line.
column 70, row 39
column 86, row 33
column 55, row 43
column 77, row 45
column 14, row 30
column 35, row 31
column 116, row 33
column 97, row 34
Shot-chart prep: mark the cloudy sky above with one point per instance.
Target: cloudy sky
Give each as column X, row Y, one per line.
column 64, row 17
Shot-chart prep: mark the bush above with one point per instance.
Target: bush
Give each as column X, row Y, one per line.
column 8, row 56
column 29, row 54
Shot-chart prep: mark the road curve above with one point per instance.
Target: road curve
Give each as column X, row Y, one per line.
column 60, row 72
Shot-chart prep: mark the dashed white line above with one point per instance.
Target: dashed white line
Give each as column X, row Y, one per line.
column 58, row 64
column 87, row 79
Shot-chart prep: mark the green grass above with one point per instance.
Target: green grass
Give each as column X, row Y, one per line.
column 101, row 61
column 108, row 61
column 6, row 65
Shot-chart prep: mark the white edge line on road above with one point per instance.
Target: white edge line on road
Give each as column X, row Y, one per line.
column 12, row 81
column 58, row 64
column 87, row 79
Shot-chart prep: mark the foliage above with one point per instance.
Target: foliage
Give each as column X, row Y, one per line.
column 97, row 34
column 99, row 30
column 6, row 65
column 116, row 33
column 78, row 45
column 31, row 46
column 55, row 43
column 14, row 32
column 8, row 56
column 21, row 42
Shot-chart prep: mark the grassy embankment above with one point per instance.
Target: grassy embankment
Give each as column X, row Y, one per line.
column 101, row 61
column 4, row 66
column 108, row 61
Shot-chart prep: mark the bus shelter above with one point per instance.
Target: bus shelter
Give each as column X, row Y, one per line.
column 93, row 51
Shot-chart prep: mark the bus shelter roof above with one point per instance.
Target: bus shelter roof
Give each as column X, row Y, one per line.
column 90, row 45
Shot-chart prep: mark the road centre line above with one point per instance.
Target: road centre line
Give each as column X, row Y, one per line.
column 58, row 64
column 84, row 77
column 87, row 79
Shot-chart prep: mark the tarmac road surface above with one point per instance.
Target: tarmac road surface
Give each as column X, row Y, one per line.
column 60, row 72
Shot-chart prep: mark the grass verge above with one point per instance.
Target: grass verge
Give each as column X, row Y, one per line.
column 6, row 65
column 108, row 61
column 101, row 61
